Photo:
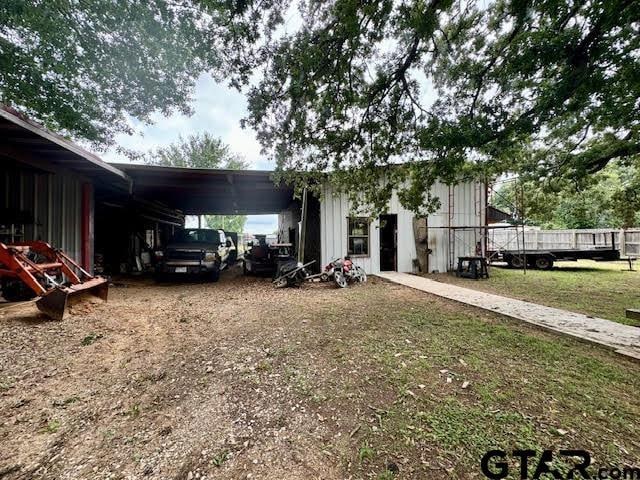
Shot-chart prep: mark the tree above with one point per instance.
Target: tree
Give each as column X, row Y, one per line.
column 196, row 151
column 229, row 223
column 609, row 200
column 202, row 151
column 80, row 66
column 452, row 89
column 546, row 88
column 83, row 68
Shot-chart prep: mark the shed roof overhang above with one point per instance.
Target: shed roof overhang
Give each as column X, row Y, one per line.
column 32, row 144
column 197, row 191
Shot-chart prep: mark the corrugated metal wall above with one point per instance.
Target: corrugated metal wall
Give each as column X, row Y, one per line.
column 467, row 202
column 54, row 199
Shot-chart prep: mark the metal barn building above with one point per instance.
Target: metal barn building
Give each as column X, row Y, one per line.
column 390, row 242
column 48, row 187
column 109, row 214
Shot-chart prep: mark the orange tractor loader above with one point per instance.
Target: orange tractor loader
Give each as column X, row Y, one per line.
column 30, row 269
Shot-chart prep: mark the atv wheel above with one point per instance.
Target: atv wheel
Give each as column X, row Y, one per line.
column 281, row 282
column 340, row 279
column 362, row 275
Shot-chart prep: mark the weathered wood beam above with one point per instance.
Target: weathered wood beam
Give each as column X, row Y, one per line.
column 632, row 313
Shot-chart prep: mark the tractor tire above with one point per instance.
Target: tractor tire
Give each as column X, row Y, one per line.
column 16, row 291
column 544, row 263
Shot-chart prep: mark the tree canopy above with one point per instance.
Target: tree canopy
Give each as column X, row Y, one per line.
column 85, row 68
column 544, row 87
column 202, row 151
column 610, row 199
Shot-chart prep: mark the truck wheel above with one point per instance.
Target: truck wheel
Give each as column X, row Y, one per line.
column 515, row 261
column 544, row 263
column 215, row 275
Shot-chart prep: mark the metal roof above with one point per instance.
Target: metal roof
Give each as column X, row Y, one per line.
column 33, row 144
column 190, row 190
column 209, row 191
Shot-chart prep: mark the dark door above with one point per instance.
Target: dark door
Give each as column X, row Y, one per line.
column 388, row 243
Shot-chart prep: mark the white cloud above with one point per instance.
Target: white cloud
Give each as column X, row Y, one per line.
column 244, row 142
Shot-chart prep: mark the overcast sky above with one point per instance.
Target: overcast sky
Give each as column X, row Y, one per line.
column 217, row 110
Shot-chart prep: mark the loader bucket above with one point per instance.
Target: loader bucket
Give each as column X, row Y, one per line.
column 54, row 303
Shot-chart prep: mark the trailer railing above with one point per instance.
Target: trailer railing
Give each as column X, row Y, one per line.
column 627, row 241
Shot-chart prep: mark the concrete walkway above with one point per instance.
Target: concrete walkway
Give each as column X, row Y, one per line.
column 624, row 339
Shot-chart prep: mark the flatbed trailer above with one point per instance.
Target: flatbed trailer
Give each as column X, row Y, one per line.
column 544, row 259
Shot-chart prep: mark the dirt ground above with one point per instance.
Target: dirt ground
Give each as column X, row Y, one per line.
column 240, row 380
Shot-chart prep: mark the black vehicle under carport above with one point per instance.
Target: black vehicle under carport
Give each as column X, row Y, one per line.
column 195, row 191
column 195, row 251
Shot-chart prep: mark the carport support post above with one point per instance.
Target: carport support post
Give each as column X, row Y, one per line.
column 87, row 227
column 303, row 226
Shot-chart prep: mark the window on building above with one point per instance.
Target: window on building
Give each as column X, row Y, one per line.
column 358, row 236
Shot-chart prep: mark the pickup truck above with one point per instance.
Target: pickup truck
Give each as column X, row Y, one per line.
column 195, row 251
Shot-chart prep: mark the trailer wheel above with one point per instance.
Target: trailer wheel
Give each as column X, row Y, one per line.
column 515, row 261
column 544, row 263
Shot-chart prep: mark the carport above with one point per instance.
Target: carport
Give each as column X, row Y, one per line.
column 48, row 187
column 196, row 191
column 54, row 190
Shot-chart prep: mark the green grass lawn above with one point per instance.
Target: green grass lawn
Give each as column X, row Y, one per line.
column 429, row 386
column 593, row 288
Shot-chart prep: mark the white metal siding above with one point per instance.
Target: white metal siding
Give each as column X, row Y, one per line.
column 468, row 207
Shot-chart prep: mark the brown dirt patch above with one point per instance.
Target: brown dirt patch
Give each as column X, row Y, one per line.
column 240, row 380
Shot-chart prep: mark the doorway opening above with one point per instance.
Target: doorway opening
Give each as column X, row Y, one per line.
column 389, row 243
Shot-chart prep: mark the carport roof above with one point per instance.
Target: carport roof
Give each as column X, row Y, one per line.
column 198, row 191
column 31, row 143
